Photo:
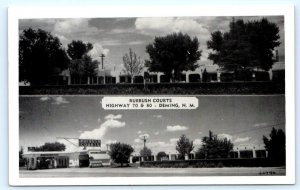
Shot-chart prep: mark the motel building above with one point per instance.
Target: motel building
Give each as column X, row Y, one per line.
column 62, row 159
column 238, row 152
column 87, row 154
column 209, row 73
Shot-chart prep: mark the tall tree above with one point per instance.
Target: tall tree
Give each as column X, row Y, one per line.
column 81, row 64
column 245, row 46
column 132, row 64
column 173, row 54
column 77, row 49
column 214, row 147
column 275, row 145
column 41, row 57
column 120, row 152
column 184, row 146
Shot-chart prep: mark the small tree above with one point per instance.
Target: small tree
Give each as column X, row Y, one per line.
column 146, row 152
column 173, row 54
column 213, row 147
column 184, row 146
column 120, row 152
column 132, row 65
column 56, row 146
column 21, row 158
column 161, row 155
column 275, row 145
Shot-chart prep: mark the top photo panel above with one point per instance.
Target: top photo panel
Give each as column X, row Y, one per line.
column 205, row 55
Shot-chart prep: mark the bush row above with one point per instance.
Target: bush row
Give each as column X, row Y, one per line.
column 161, row 88
column 211, row 163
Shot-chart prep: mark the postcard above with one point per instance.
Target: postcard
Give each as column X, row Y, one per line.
column 132, row 96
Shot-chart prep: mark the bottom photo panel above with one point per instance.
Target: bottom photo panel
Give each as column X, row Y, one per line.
column 91, row 136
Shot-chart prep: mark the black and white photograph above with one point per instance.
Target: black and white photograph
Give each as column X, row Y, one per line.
column 223, row 136
column 162, row 55
column 152, row 99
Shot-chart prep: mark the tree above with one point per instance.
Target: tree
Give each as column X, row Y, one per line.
column 213, row 147
column 173, row 54
column 120, row 152
column 77, row 49
column 21, row 158
column 275, row 145
column 81, row 64
column 246, row 45
column 184, row 146
column 161, row 155
column 132, row 65
column 56, row 146
column 41, row 57
column 84, row 67
column 146, row 152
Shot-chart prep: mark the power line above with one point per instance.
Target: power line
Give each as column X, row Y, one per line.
column 264, row 127
column 67, row 139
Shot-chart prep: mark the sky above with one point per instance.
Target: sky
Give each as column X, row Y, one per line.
column 114, row 36
column 241, row 119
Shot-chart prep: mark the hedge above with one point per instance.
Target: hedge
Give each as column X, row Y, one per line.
column 211, row 163
column 161, row 88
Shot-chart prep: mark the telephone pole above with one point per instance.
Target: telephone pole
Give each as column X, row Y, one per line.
column 144, row 138
column 102, row 57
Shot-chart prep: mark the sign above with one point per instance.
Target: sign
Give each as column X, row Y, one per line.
column 89, row 142
column 146, row 102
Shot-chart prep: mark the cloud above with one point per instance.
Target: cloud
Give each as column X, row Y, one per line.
column 56, row 100
column 59, row 100
column 260, row 124
column 110, row 141
column 239, row 139
column 76, row 25
column 223, row 136
column 177, row 128
column 168, row 25
column 139, row 132
column 44, row 98
column 146, row 135
column 111, row 116
column 157, row 116
column 100, row 132
column 197, row 142
column 173, row 140
column 97, row 51
column 138, row 140
column 158, row 146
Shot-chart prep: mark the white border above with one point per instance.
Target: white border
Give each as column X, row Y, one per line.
column 15, row 13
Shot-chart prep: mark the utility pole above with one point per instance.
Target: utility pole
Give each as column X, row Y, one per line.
column 102, row 57
column 144, row 138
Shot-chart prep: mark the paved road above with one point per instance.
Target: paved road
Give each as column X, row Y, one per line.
column 149, row 172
